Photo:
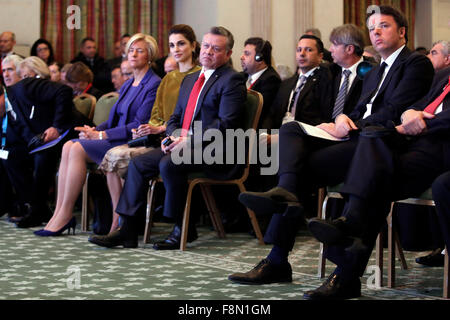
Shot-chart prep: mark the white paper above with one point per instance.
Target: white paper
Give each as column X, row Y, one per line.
column 318, row 133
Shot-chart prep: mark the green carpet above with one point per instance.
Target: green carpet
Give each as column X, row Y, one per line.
column 69, row 267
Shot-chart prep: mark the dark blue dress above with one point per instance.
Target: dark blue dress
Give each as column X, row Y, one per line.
column 133, row 108
column 96, row 149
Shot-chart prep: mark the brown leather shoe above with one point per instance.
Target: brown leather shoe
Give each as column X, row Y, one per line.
column 334, row 288
column 265, row 272
column 113, row 239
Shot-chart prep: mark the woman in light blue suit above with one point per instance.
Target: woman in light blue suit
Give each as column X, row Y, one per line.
column 133, row 108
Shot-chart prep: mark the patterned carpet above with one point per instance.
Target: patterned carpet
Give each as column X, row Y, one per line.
column 70, row 268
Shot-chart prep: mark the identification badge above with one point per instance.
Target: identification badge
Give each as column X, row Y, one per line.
column 4, row 154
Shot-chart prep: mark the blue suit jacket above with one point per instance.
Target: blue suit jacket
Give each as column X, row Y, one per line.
column 139, row 110
column 220, row 106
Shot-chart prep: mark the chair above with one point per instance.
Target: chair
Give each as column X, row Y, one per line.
column 333, row 192
column 104, row 106
column 101, row 113
column 85, row 103
column 253, row 109
column 426, row 199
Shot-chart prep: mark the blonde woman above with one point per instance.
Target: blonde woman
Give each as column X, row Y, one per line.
column 131, row 109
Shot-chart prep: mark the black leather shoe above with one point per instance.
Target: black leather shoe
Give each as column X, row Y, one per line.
column 173, row 240
column 113, row 239
column 273, row 201
column 334, row 288
column 434, row 259
column 265, row 272
column 333, row 231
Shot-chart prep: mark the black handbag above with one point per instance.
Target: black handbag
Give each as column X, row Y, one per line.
column 151, row 140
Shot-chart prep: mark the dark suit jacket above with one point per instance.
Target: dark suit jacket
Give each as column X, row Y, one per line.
column 314, row 103
column 354, row 92
column 139, row 109
column 268, row 85
column 220, row 106
column 408, row 81
column 39, row 104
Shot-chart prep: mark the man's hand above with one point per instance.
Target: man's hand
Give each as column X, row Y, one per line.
column 413, row 122
column 343, row 126
column 50, row 134
column 176, row 144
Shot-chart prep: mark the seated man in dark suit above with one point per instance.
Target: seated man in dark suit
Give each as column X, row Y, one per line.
column 217, row 94
column 256, row 62
column 399, row 164
column 307, row 162
column 34, row 106
column 306, row 96
column 89, row 56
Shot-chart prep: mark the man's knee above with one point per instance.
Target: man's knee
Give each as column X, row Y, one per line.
column 441, row 186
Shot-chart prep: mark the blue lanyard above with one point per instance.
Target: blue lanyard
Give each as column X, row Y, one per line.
column 5, row 122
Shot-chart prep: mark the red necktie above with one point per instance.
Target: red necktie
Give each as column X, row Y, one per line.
column 190, row 108
column 436, row 103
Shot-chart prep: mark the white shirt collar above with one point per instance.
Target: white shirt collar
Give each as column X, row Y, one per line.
column 310, row 72
column 255, row 76
column 354, row 67
column 391, row 59
column 208, row 73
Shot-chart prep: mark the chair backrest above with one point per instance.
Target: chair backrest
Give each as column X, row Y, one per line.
column 85, row 103
column 104, row 106
column 252, row 112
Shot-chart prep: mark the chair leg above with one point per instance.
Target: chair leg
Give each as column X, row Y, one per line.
column 213, row 211
column 253, row 219
column 379, row 256
column 399, row 251
column 322, row 261
column 84, row 205
column 187, row 211
column 446, row 294
column 149, row 211
column 391, row 249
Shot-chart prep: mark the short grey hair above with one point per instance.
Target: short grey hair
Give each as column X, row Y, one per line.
column 315, row 32
column 348, row 34
column 14, row 59
column 37, row 65
column 445, row 46
column 221, row 31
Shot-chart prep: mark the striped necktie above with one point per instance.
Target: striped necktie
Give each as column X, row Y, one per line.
column 342, row 95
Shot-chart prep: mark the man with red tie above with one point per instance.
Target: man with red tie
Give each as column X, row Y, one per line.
column 214, row 96
column 388, row 165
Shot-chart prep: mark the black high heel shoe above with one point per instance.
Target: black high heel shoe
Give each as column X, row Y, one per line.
column 46, row 233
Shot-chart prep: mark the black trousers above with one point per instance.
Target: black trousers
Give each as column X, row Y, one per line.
column 316, row 163
column 32, row 176
column 144, row 167
column 384, row 170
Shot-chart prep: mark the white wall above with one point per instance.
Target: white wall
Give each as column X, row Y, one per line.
column 23, row 18
column 328, row 14
column 199, row 14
